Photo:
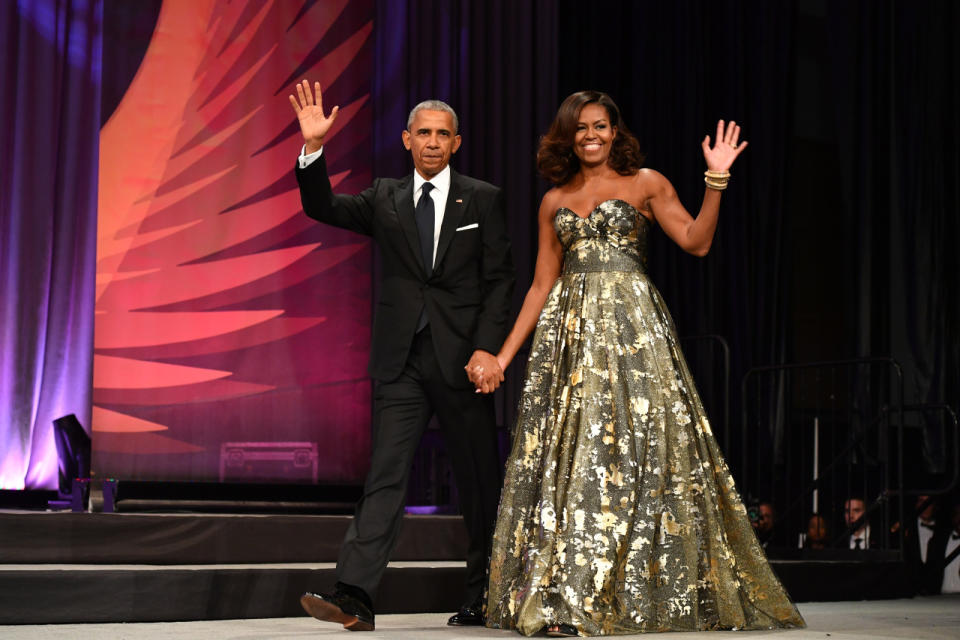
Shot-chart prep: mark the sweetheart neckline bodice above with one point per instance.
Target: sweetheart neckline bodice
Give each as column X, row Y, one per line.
column 597, row 208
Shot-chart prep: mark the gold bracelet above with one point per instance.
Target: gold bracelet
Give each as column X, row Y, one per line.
column 716, row 180
column 723, row 175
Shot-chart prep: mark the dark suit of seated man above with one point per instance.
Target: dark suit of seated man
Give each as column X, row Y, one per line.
column 444, row 304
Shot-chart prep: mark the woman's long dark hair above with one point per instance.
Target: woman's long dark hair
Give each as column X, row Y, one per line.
column 556, row 160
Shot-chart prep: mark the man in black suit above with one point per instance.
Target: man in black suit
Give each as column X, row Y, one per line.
column 920, row 533
column 443, row 310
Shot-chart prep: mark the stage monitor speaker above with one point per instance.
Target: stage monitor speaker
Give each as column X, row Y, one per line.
column 292, row 462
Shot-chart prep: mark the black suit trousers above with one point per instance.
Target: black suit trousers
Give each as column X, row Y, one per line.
column 402, row 409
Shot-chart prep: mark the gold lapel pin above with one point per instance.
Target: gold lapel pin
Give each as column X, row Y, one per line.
column 459, row 200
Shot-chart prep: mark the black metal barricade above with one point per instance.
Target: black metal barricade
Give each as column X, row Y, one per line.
column 840, row 458
column 822, row 443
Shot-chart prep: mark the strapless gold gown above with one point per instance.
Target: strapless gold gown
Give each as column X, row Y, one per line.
column 618, row 513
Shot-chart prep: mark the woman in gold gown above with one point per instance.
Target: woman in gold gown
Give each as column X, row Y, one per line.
column 618, row 513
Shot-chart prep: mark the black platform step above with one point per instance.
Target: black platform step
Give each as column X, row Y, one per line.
column 88, row 567
column 43, row 594
column 80, row 538
column 840, row 580
column 55, row 594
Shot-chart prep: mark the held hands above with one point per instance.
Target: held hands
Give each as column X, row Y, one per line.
column 720, row 158
column 484, row 371
column 314, row 125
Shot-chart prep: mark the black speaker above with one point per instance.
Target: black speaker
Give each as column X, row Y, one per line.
column 73, row 451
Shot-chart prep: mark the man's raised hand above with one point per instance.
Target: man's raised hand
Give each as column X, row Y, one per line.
column 314, row 125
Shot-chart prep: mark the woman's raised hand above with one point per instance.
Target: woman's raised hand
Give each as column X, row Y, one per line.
column 314, row 125
column 720, row 157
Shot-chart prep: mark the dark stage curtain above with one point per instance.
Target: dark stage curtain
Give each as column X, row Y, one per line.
column 50, row 110
column 895, row 84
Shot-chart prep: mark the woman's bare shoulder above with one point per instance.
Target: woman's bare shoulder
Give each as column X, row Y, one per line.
column 551, row 197
column 650, row 177
column 551, row 201
column 651, row 183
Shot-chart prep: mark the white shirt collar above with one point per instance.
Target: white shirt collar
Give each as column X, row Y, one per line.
column 440, row 182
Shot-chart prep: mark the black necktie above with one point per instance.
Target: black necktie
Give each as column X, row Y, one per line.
column 425, row 217
column 425, row 220
column 857, row 542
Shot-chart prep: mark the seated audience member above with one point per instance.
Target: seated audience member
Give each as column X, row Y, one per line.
column 921, row 531
column 818, row 533
column 763, row 518
column 853, row 512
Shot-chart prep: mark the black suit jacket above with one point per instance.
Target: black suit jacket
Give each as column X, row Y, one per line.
column 467, row 296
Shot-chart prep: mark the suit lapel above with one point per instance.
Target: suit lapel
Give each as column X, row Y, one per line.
column 457, row 201
column 403, row 202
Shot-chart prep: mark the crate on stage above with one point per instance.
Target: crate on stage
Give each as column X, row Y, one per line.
column 269, row 461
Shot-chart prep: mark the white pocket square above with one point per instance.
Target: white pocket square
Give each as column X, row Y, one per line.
column 469, row 226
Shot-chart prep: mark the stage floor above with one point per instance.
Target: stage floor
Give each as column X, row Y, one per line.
column 915, row 619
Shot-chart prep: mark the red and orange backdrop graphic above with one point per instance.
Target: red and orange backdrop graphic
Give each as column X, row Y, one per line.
column 232, row 332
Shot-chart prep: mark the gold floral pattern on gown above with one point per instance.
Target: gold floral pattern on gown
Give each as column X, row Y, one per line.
column 618, row 513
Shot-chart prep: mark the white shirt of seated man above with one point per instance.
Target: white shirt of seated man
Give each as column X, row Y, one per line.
column 924, row 535
column 860, row 539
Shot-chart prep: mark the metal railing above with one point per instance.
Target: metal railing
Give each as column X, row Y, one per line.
column 817, row 437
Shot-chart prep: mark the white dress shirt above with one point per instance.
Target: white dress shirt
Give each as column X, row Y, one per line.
column 441, row 189
column 306, row 159
column 951, row 572
column 863, row 535
column 924, row 533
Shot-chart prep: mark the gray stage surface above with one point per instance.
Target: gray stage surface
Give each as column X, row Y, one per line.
column 918, row 618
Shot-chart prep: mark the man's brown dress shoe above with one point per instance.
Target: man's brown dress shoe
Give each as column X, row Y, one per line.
column 340, row 607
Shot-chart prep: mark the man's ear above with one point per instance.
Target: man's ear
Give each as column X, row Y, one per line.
column 406, row 139
column 456, row 144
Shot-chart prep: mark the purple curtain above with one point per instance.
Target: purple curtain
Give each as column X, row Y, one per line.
column 50, row 110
